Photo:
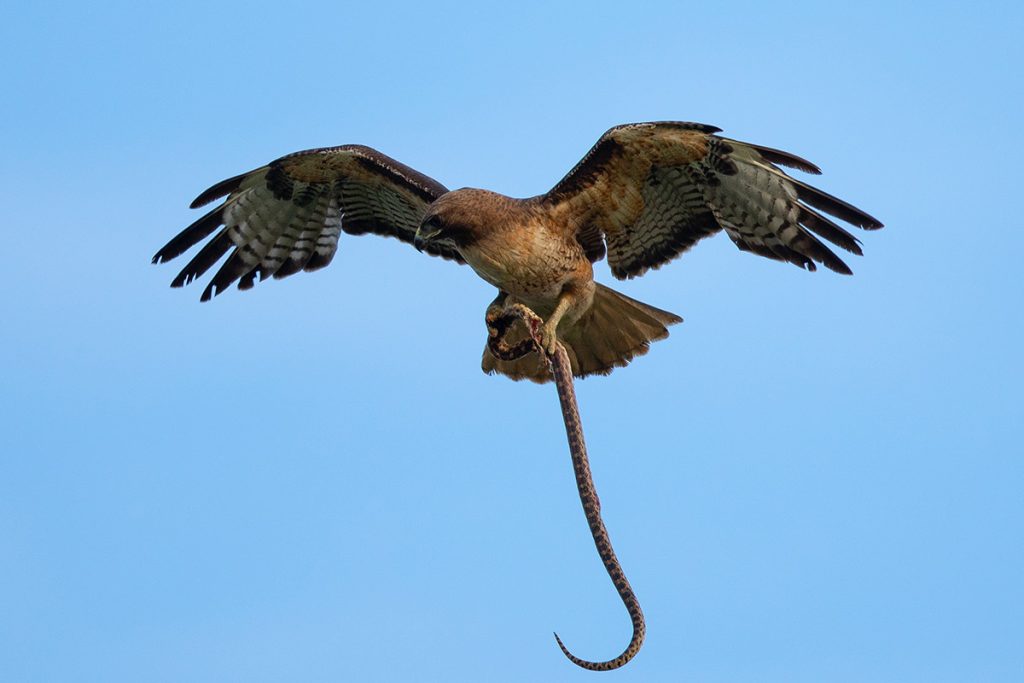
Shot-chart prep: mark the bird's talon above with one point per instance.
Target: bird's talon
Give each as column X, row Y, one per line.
column 548, row 341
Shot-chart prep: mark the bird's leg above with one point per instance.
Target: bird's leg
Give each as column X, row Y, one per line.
column 549, row 332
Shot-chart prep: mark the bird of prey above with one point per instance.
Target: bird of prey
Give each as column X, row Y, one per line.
column 644, row 194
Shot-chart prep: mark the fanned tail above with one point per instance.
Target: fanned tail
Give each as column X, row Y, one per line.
column 615, row 330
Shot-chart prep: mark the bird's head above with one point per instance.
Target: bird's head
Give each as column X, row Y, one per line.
column 432, row 227
column 459, row 217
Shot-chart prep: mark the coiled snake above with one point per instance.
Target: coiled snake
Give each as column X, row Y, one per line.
column 561, row 370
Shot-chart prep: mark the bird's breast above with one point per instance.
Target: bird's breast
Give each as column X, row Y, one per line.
column 530, row 262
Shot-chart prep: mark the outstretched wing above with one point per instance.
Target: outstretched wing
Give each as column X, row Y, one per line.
column 286, row 216
column 647, row 192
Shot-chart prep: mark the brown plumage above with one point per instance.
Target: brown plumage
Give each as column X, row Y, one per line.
column 643, row 195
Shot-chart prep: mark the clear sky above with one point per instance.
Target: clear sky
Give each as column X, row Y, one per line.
column 816, row 478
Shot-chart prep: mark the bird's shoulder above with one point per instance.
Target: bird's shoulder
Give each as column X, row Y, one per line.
column 627, row 151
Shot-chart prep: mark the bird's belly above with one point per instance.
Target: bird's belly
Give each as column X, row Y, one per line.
column 530, row 268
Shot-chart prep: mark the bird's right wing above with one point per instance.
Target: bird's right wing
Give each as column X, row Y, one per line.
column 287, row 216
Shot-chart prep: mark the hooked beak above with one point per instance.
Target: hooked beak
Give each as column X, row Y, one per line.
column 423, row 235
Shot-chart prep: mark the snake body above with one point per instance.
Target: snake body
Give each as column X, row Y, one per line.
column 561, row 371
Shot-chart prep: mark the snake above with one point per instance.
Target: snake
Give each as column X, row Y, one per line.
column 561, row 371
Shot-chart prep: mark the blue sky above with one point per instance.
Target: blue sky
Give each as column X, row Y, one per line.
column 815, row 478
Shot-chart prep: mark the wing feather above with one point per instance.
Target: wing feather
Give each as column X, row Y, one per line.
column 221, row 189
column 835, row 206
column 815, row 222
column 191, row 235
column 287, row 216
column 777, row 156
column 211, row 252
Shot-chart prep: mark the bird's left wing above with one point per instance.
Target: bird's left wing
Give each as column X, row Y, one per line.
column 647, row 192
column 287, row 216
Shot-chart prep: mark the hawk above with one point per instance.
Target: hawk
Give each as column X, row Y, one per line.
column 643, row 195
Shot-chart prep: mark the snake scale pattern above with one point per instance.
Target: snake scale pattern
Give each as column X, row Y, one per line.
column 561, row 370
